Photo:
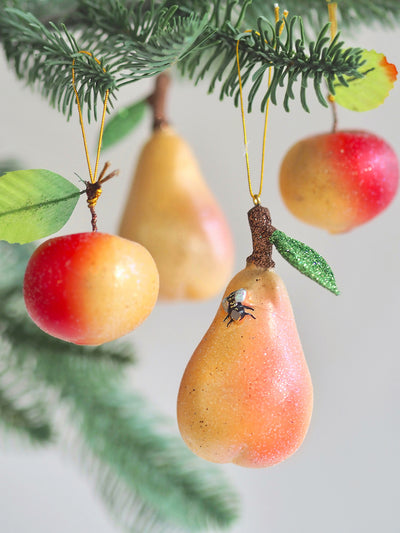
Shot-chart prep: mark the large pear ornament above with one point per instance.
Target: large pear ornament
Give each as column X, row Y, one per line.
column 171, row 211
column 246, row 395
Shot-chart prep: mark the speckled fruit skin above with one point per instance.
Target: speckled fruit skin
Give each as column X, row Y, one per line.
column 90, row 288
column 246, row 394
column 171, row 211
column 340, row 180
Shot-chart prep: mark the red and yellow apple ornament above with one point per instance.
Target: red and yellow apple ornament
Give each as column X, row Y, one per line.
column 339, row 180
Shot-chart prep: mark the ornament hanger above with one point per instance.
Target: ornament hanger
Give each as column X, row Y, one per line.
column 256, row 197
column 92, row 176
column 332, row 12
column 93, row 187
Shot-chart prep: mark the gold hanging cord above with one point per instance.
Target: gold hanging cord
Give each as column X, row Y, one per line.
column 92, row 176
column 332, row 13
column 256, row 197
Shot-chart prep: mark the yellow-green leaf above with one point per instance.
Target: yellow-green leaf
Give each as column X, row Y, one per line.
column 34, row 204
column 363, row 94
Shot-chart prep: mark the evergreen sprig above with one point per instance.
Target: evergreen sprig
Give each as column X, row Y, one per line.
column 137, row 20
column 135, row 40
column 351, row 13
column 147, row 477
column 289, row 54
column 161, row 51
column 147, row 469
column 21, row 414
column 39, row 54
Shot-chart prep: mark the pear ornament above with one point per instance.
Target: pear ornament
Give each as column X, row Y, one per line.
column 246, row 395
column 171, row 211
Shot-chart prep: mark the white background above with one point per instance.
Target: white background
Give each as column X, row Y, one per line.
column 345, row 476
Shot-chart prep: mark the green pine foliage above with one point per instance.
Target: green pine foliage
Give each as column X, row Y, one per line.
column 20, row 413
column 145, row 474
column 23, row 410
column 139, row 39
column 292, row 58
column 351, row 13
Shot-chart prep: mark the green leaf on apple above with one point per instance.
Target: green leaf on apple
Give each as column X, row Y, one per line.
column 369, row 92
column 123, row 122
column 305, row 259
column 34, row 204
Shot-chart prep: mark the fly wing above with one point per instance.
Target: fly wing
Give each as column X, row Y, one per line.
column 240, row 295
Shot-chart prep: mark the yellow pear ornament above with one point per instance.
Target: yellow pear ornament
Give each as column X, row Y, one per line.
column 246, row 395
column 171, row 211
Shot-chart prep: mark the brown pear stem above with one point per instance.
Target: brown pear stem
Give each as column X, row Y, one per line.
column 158, row 100
column 261, row 231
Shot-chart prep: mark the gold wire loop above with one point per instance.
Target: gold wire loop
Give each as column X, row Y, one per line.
column 256, row 197
column 92, row 200
column 92, row 176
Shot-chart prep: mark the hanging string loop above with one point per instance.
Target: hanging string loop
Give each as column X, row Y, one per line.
column 91, row 174
column 256, row 196
column 93, row 187
column 332, row 14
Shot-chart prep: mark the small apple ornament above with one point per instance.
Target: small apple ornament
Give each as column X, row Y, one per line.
column 339, row 180
column 90, row 288
column 85, row 288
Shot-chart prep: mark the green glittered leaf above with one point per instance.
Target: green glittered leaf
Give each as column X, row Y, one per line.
column 123, row 122
column 34, row 204
column 370, row 91
column 305, row 259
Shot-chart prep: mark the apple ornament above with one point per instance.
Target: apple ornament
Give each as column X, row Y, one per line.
column 340, row 180
column 90, row 288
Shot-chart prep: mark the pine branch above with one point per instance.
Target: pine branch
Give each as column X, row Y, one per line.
column 215, row 47
column 46, row 9
column 22, row 413
column 134, row 43
column 39, row 54
column 291, row 58
column 22, row 410
column 351, row 13
column 136, row 20
column 164, row 49
column 13, row 261
column 147, row 470
column 33, row 339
